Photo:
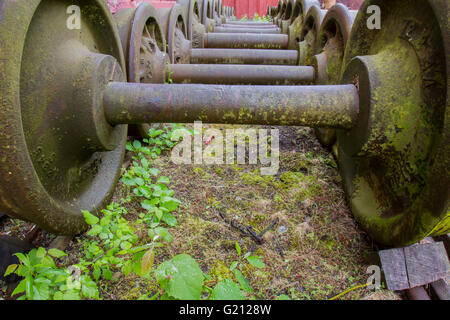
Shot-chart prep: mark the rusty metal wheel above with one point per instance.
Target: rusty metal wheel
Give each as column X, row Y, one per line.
column 278, row 18
column 144, row 46
column 299, row 14
column 179, row 47
column 57, row 161
column 395, row 161
column 287, row 18
column 195, row 29
column 207, row 20
column 333, row 35
column 309, row 38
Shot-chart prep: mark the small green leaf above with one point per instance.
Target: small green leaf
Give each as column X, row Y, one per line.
column 96, row 229
column 20, row 288
column 11, row 268
column 90, row 218
column 238, row 248
column 242, row 281
column 256, row 262
column 56, row 253
column 96, row 273
column 107, row 274
column 154, row 171
column 227, row 290
column 147, row 261
column 137, row 144
column 181, row 278
column 163, row 179
column 169, row 219
column 170, row 203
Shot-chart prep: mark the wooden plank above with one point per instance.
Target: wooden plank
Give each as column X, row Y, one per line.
column 394, row 269
column 426, row 263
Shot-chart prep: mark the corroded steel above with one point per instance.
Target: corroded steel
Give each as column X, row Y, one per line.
column 309, row 38
column 301, row 8
column 333, row 35
column 240, row 74
column 51, row 167
column 144, row 47
column 252, row 30
column 395, row 162
column 247, row 41
column 244, row 56
column 64, row 100
column 315, row 106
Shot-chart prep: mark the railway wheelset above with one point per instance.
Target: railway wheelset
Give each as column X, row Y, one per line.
column 378, row 97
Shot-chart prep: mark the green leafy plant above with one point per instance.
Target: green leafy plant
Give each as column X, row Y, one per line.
column 142, row 178
column 236, row 267
column 43, row 280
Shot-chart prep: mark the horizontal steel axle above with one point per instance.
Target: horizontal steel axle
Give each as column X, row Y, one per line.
column 249, row 23
column 239, row 74
column 246, row 40
column 334, row 106
column 245, row 56
column 250, row 30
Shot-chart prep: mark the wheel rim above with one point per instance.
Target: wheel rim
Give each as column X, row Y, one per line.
column 399, row 191
column 49, row 175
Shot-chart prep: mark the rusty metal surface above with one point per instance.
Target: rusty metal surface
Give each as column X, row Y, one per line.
column 417, row 293
column 333, row 36
column 249, row 30
column 315, row 106
column 395, row 161
column 247, row 41
column 51, row 166
column 244, row 56
column 301, row 8
column 309, row 38
column 241, row 74
column 178, row 44
column 144, row 46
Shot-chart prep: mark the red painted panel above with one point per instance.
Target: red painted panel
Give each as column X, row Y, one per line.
column 351, row 4
column 115, row 5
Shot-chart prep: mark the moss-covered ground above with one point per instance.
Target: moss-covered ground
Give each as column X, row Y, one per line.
column 315, row 249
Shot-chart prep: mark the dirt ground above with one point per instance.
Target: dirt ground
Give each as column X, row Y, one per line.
column 313, row 250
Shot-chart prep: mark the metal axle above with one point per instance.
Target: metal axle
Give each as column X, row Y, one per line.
column 248, row 40
column 334, row 106
column 247, row 30
column 240, row 74
column 248, row 23
column 245, row 56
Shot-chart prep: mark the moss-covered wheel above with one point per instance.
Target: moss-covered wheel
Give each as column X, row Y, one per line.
column 395, row 161
column 301, row 8
column 333, row 35
column 56, row 159
column 309, row 37
column 286, row 19
column 277, row 19
column 205, row 15
column 179, row 47
column 195, row 29
column 144, row 46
